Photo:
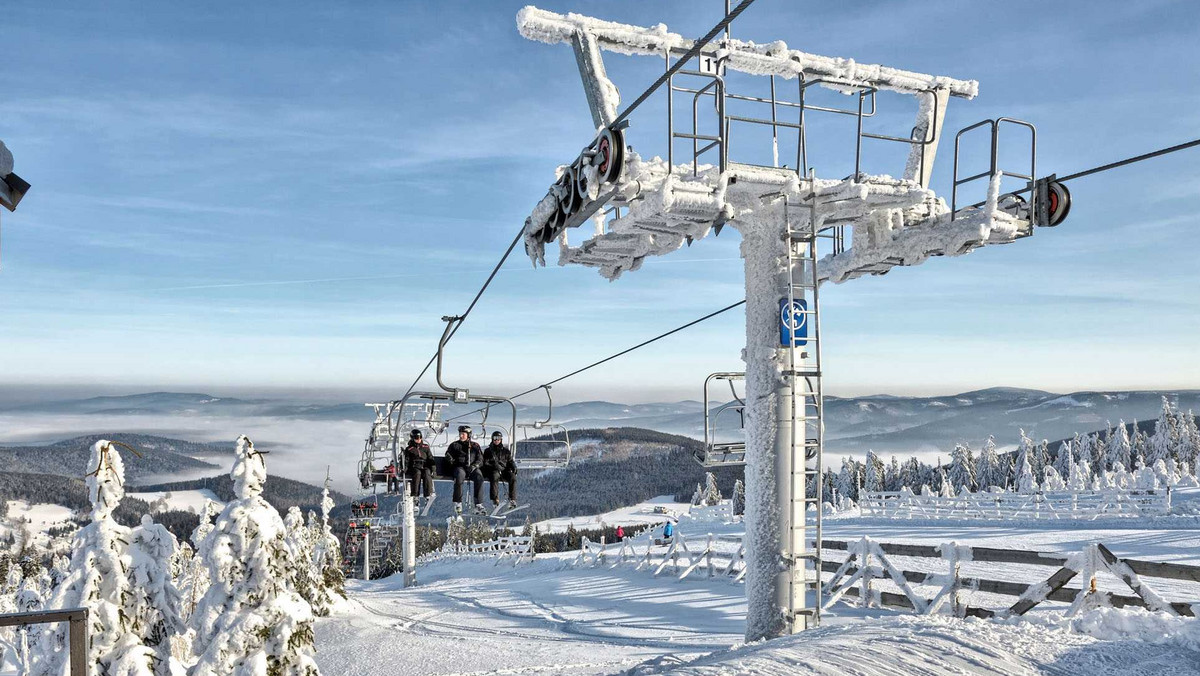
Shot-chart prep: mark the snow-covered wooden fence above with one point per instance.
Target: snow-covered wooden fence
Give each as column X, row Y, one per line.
column 709, row 555
column 870, row 572
column 869, row 565
column 513, row 549
column 1087, row 505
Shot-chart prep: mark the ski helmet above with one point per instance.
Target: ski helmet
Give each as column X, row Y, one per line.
column 414, row 434
column 464, row 428
column 497, row 435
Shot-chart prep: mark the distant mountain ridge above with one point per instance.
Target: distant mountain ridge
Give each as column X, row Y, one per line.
column 881, row 422
column 69, row 457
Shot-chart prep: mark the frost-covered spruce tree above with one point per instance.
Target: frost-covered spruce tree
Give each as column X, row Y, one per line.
column 1119, row 448
column 1162, row 444
column 848, row 479
column 1189, row 440
column 712, row 493
column 873, row 473
column 1025, row 481
column 327, row 559
column 739, row 498
column 99, row 573
column 302, row 576
column 961, row 474
column 987, row 467
column 194, row 583
column 156, row 615
column 249, row 622
column 1053, row 481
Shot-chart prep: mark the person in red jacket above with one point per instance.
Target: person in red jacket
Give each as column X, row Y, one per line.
column 620, row 533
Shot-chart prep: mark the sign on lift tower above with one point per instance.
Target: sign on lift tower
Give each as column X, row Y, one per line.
column 863, row 223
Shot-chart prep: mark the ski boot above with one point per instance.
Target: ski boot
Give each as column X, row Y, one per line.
column 512, row 504
column 458, row 509
column 479, row 509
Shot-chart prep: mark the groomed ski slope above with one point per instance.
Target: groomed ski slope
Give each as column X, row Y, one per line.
column 546, row 617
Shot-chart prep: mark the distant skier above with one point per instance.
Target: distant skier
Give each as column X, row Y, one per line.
column 465, row 459
column 668, row 531
column 498, row 465
column 419, row 466
column 620, row 533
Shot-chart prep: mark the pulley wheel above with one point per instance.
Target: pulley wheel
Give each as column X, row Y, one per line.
column 1058, row 200
column 569, row 201
column 611, row 151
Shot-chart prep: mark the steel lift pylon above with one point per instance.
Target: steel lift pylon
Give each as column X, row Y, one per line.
column 798, row 232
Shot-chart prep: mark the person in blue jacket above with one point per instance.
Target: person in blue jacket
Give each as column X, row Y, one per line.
column 668, row 531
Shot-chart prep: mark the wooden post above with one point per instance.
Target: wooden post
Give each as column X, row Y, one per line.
column 77, row 637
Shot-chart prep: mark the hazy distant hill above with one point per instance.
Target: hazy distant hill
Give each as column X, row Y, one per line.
column 69, row 457
column 280, row 492
column 885, row 423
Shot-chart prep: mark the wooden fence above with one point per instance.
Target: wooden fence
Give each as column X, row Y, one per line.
column 1089, row 505
column 77, row 632
column 864, row 566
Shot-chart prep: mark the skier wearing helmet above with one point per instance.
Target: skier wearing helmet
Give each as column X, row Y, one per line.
column 498, row 465
column 419, row 463
column 465, row 458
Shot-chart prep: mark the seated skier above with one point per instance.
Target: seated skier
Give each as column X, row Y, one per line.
column 465, row 458
column 419, row 465
column 499, row 465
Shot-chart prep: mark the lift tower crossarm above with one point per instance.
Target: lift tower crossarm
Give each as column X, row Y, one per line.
column 746, row 57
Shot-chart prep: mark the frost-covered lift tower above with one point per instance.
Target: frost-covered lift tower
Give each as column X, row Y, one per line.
column 646, row 207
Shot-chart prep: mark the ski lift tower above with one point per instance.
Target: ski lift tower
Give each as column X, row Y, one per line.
column 865, row 224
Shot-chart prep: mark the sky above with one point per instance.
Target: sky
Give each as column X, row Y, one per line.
column 288, row 196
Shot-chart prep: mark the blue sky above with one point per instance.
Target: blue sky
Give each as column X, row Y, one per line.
column 290, row 195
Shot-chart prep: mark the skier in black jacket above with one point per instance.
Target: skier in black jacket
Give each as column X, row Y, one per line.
column 465, row 458
column 419, row 463
column 498, row 465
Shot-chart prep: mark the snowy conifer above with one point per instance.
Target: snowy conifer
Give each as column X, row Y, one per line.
column 1063, row 460
column 327, row 557
column 249, row 623
column 156, row 614
column 302, row 576
column 988, row 470
column 1053, row 480
column 961, row 474
column 1119, row 448
column 873, row 474
column 1161, row 444
column 946, row 490
column 712, row 494
column 1189, row 440
column 1025, row 480
column 99, row 573
column 739, row 498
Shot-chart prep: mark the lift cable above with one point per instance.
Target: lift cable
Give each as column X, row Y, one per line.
column 462, row 318
column 691, row 53
column 626, row 351
column 1110, row 165
column 1131, row 160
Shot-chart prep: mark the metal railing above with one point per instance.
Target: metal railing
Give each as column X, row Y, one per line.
column 993, row 164
column 77, row 632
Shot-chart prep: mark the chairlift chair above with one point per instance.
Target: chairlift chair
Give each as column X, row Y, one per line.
column 543, row 444
column 716, row 453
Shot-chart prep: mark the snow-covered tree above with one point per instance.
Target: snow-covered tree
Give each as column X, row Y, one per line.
column 1025, row 480
column 739, row 497
column 302, row 576
column 99, row 574
column 1053, row 481
column 157, row 613
column 1162, row 443
column 1189, row 440
column 962, row 469
column 1041, row 460
column 249, row 622
column 712, row 494
column 327, row 558
column 1119, row 448
column 1082, row 444
column 873, row 473
column 1063, row 460
column 849, row 479
column 947, row 489
column 988, row 470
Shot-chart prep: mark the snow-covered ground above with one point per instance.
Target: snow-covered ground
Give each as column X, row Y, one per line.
column 475, row 617
column 653, row 511
column 191, row 501
column 38, row 518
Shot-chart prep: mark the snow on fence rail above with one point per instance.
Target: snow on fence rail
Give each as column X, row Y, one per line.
column 1088, row 505
column 868, row 565
column 713, row 555
column 516, row 548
